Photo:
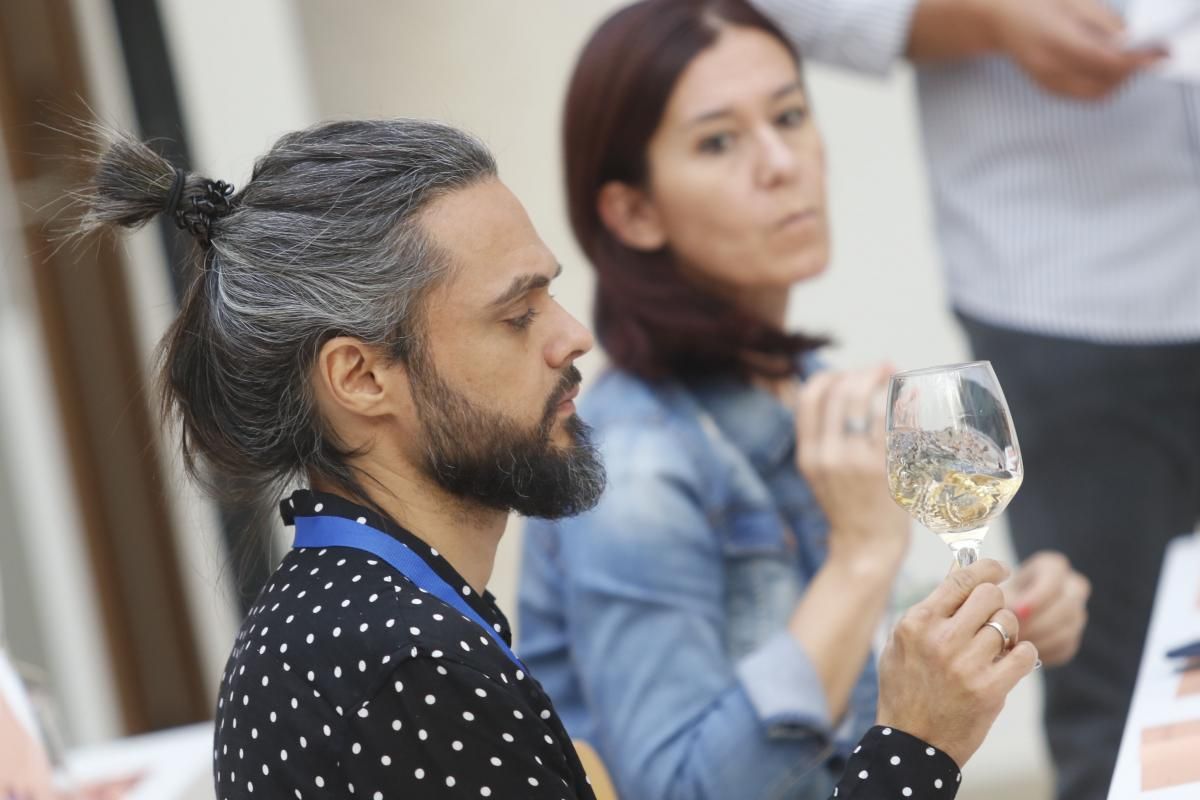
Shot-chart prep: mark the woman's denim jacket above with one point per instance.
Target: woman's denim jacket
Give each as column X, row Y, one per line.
column 657, row 621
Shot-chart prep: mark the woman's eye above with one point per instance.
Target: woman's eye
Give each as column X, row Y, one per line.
column 522, row 322
column 792, row 117
column 717, row 143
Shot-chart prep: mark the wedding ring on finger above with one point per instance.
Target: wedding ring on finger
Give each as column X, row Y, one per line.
column 857, row 426
column 1005, row 640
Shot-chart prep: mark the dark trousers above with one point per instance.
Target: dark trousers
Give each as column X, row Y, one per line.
column 1110, row 437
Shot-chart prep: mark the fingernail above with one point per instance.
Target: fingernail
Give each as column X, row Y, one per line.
column 1023, row 611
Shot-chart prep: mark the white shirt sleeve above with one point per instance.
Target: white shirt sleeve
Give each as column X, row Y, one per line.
column 863, row 35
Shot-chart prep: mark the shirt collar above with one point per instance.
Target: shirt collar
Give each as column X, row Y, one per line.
column 310, row 503
column 752, row 419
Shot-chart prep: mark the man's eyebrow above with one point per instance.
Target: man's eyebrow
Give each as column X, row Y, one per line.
column 522, row 285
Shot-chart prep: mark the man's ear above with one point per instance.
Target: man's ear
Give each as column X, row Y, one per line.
column 631, row 216
column 352, row 378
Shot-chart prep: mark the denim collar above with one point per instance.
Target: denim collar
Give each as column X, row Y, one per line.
column 761, row 427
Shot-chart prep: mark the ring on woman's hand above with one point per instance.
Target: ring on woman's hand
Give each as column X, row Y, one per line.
column 1004, row 637
column 856, row 426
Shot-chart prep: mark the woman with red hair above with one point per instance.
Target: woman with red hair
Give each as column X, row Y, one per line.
column 708, row 626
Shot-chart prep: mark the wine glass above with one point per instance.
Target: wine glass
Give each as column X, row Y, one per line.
column 953, row 461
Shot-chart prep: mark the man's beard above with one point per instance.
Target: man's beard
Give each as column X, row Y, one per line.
column 488, row 459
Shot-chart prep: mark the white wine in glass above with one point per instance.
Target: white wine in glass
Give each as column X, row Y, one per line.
column 953, row 461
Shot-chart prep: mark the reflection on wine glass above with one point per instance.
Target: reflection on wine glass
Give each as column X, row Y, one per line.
column 952, row 456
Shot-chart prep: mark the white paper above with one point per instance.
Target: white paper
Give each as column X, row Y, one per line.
column 1173, row 24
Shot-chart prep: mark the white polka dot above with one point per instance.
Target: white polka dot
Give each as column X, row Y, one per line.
column 320, row 781
column 465, row 646
column 436, row 654
column 265, row 680
column 508, row 737
column 337, row 632
column 456, row 745
column 937, row 784
column 895, row 760
column 485, row 791
column 438, row 617
column 520, row 675
column 468, row 716
column 283, row 755
column 326, row 730
column 386, row 761
column 337, row 672
column 303, row 743
column 533, row 781
column 361, row 520
column 495, row 761
column 518, row 714
column 309, row 639
column 419, row 773
column 481, row 692
column 362, row 666
column 449, row 780
column 545, row 714
column 415, row 631
column 363, row 628
column 362, row 713
column 319, row 507
column 907, row 792
column 430, row 699
column 929, row 751
column 399, row 686
column 379, row 795
column 396, row 725
column 466, row 590
column 863, row 775
column 356, row 748
column 422, row 735
column 266, row 770
column 887, row 731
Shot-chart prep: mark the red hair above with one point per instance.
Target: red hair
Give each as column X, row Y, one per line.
column 651, row 320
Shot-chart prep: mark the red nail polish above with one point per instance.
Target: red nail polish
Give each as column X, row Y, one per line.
column 1023, row 611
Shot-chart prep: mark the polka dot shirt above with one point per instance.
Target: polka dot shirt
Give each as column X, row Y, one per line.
column 346, row 680
column 889, row 764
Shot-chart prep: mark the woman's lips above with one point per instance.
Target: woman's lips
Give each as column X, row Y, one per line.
column 796, row 219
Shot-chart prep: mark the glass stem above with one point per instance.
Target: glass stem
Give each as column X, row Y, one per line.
column 966, row 554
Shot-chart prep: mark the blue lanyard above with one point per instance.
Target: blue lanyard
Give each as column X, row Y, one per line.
column 340, row 532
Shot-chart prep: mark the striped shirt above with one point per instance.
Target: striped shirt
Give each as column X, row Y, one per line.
column 1066, row 218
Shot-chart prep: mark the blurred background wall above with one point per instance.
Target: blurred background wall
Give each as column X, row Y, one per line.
column 121, row 583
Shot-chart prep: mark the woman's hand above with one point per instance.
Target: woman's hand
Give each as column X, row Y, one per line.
column 840, row 451
column 1050, row 598
column 945, row 672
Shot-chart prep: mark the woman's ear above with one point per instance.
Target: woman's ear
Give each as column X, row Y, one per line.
column 631, row 216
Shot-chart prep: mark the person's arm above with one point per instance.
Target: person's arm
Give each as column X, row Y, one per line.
column 863, row 35
column 1069, row 47
column 674, row 716
column 943, row 679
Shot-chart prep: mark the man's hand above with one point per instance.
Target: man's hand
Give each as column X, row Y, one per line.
column 945, row 672
column 1071, row 48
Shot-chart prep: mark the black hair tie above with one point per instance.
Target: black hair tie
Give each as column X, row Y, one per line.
column 171, row 209
column 197, row 217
